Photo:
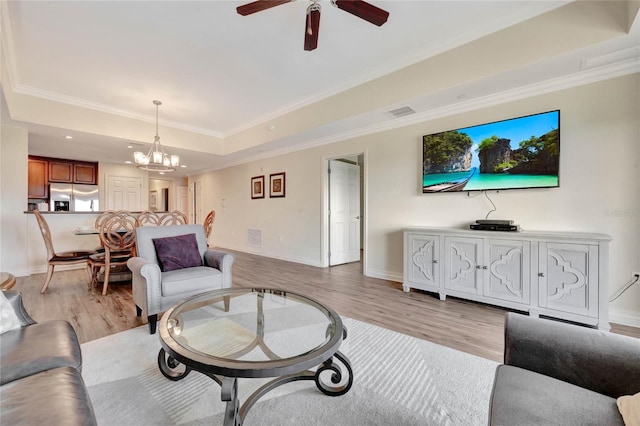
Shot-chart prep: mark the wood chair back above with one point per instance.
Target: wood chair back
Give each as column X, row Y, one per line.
column 148, row 218
column 208, row 224
column 117, row 233
column 46, row 233
column 102, row 217
column 117, row 236
column 175, row 217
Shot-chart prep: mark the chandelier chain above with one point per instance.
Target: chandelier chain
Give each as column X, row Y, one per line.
column 156, row 159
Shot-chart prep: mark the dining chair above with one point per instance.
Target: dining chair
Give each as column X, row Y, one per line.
column 62, row 258
column 117, row 235
column 148, row 218
column 98, row 224
column 208, row 225
column 175, row 217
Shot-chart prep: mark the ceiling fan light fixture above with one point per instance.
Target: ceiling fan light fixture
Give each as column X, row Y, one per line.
column 359, row 8
column 156, row 160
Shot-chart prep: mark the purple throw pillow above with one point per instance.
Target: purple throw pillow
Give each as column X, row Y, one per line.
column 177, row 252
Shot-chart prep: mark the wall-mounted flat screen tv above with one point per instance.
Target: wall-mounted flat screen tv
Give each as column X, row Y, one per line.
column 521, row 152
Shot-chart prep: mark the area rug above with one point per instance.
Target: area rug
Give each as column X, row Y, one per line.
column 398, row 380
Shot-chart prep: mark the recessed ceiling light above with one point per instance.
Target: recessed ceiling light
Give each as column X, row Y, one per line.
column 271, row 128
column 161, row 173
column 68, row 137
column 127, row 162
column 183, row 166
column 130, row 147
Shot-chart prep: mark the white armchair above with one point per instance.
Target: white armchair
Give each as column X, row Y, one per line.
column 155, row 290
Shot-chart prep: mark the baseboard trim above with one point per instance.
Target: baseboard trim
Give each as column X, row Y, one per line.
column 41, row 269
column 23, row 272
column 273, row 256
column 624, row 317
column 384, row 275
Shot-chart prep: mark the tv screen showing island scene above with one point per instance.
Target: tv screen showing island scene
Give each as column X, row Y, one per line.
column 521, row 152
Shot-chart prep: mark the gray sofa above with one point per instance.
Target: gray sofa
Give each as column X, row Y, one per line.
column 562, row 374
column 155, row 291
column 40, row 380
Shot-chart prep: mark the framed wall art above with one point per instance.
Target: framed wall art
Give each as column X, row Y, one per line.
column 276, row 185
column 153, row 200
column 257, row 187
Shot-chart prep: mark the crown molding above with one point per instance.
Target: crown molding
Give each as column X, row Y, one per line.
column 581, row 78
column 94, row 106
column 7, row 45
column 592, row 75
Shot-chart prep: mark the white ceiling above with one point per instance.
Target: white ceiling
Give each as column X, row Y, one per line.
column 219, row 73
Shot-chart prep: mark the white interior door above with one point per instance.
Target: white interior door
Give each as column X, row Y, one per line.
column 182, row 200
column 124, row 193
column 344, row 212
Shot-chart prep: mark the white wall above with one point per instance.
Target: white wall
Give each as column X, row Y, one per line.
column 599, row 192
column 13, row 199
column 599, row 188
column 290, row 224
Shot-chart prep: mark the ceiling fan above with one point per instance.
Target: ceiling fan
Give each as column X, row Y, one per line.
column 359, row 8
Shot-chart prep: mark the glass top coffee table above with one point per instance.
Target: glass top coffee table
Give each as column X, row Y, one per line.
column 254, row 333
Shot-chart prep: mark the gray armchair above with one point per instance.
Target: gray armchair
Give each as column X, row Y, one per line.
column 562, row 374
column 154, row 291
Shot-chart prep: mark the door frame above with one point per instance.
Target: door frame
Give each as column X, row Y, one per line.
column 324, row 225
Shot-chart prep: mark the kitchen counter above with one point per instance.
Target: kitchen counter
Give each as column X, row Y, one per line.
column 62, row 213
column 68, row 213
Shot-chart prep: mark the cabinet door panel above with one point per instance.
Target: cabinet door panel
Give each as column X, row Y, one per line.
column 60, row 171
column 38, row 184
column 509, row 274
column 564, row 280
column 423, row 260
column 84, row 173
column 463, row 269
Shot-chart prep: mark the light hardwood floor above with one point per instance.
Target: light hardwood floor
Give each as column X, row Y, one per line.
column 463, row 325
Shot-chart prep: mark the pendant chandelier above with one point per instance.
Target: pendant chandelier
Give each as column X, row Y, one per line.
column 156, row 159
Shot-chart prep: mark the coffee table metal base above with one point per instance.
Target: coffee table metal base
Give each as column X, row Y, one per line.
column 333, row 377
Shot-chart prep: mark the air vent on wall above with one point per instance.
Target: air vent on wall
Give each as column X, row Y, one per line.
column 401, row 112
column 254, row 237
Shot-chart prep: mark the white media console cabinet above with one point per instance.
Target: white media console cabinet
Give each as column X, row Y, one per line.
column 557, row 274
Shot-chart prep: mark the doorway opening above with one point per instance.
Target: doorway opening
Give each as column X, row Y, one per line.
column 344, row 237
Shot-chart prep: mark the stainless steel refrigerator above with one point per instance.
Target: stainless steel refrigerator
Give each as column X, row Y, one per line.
column 73, row 197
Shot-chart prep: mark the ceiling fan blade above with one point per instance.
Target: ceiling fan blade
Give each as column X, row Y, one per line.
column 363, row 10
column 258, row 6
column 311, row 27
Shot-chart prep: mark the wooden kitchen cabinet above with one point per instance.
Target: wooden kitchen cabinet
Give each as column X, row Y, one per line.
column 86, row 173
column 38, row 182
column 60, row 171
column 43, row 170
